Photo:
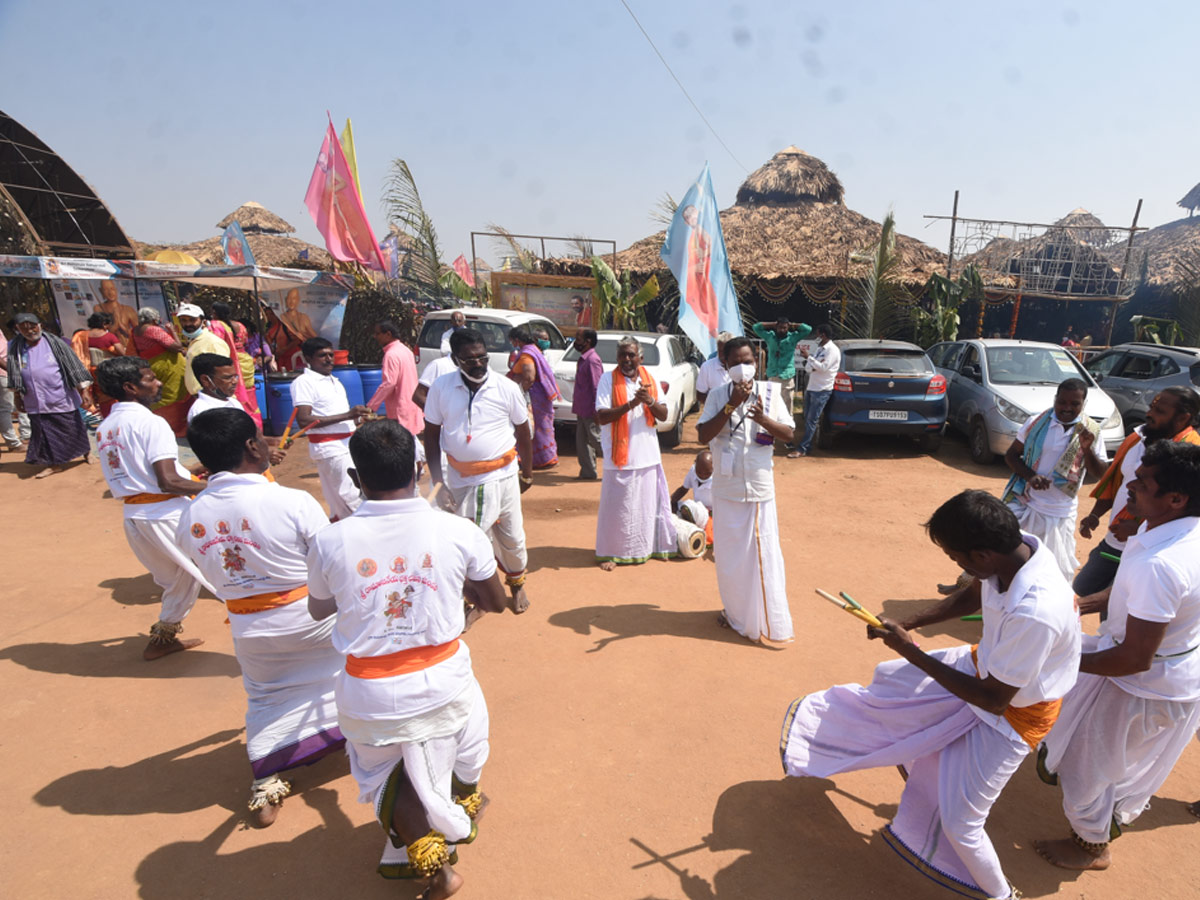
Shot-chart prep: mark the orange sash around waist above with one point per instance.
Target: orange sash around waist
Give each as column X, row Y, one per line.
column 1033, row 722
column 481, row 466
column 322, row 438
column 150, row 498
column 400, row 663
column 242, row 606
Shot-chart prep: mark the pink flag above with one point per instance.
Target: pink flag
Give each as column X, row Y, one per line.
column 463, row 268
column 336, row 207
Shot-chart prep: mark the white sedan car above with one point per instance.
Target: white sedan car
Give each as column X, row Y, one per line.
column 662, row 355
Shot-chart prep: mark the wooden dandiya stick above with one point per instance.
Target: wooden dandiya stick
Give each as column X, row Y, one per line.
column 433, row 494
column 283, row 441
column 858, row 613
column 295, row 437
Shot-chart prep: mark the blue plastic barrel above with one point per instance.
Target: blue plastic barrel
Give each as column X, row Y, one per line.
column 260, row 393
column 351, row 381
column 279, row 400
column 372, row 378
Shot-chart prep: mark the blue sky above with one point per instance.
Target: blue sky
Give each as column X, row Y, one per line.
column 557, row 117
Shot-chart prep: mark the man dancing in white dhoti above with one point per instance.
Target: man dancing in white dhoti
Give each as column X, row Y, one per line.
column 1137, row 702
column 140, row 462
column 634, row 523
column 414, row 717
column 960, row 720
column 741, row 421
column 250, row 537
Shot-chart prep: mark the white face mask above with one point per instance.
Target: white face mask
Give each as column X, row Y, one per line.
column 742, row 372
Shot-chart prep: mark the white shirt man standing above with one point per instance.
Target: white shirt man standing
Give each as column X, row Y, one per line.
column 822, row 366
column 479, row 419
column 634, row 522
column 740, row 423
column 712, row 372
column 323, row 408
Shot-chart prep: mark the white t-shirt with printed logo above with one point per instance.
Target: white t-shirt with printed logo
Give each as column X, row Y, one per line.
column 130, row 441
column 396, row 569
column 327, row 397
column 251, row 536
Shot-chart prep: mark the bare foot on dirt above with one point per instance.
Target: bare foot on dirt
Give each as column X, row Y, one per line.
column 1066, row 854
column 607, row 566
column 723, row 620
column 265, row 816
column 519, row 601
column 156, row 650
column 444, row 883
column 1194, row 809
column 50, row 470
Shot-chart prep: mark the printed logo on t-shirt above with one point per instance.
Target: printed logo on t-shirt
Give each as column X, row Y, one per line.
column 245, row 524
column 366, row 567
column 199, row 531
column 399, row 565
column 231, row 559
column 222, row 527
column 427, row 562
column 114, row 459
column 397, row 605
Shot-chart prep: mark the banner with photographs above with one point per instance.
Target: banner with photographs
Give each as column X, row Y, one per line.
column 564, row 300
column 294, row 315
column 75, row 299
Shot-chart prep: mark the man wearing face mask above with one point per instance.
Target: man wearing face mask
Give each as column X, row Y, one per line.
column 480, row 421
column 1049, row 458
column 218, row 384
column 199, row 340
column 634, row 522
column 740, row 422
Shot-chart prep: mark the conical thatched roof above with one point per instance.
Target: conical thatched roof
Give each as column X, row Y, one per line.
column 1191, row 200
column 269, row 250
column 256, row 219
column 1081, row 225
column 789, row 222
column 791, row 176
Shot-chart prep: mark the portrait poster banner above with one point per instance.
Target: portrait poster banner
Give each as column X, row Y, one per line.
column 76, row 299
column 294, row 315
column 564, row 300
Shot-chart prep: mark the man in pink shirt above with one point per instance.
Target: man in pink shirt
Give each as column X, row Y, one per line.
column 399, row 379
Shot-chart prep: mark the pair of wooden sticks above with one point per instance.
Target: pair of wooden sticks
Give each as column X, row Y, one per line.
column 852, row 606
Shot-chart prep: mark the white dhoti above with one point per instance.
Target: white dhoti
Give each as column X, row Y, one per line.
column 153, row 543
column 430, row 764
column 495, row 506
column 634, row 523
column 958, row 764
column 342, row 497
column 1112, row 750
column 1057, row 533
column 291, row 715
column 750, row 573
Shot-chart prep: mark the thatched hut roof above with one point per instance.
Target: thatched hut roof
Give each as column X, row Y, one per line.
column 788, row 223
column 268, row 249
column 1070, row 261
column 1159, row 250
column 791, row 176
column 256, row 219
column 1191, row 200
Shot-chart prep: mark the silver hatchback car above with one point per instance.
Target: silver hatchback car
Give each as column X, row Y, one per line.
column 995, row 385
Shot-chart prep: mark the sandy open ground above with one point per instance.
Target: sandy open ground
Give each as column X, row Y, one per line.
column 634, row 742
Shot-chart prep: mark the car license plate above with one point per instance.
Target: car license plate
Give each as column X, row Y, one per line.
column 889, row 415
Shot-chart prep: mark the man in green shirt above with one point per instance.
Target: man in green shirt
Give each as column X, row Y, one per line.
column 781, row 338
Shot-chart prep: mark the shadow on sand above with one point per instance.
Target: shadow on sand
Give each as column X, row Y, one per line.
column 120, row 658
column 632, row 620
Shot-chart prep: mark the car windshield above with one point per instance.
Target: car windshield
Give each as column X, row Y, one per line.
column 495, row 334
column 1032, row 365
column 887, row 361
column 607, row 349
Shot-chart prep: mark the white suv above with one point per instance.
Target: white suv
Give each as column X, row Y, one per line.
column 494, row 325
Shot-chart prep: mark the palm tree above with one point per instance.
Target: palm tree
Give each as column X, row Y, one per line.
column 878, row 305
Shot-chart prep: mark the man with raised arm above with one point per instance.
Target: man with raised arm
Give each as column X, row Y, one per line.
column 140, row 462
column 250, row 538
column 414, row 716
column 961, row 719
column 480, row 420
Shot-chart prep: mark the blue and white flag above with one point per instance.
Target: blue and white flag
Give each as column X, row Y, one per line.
column 236, row 247
column 694, row 251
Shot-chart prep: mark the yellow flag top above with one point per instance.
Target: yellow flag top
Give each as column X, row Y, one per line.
column 347, row 142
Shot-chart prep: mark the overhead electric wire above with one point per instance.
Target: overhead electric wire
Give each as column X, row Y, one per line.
column 670, row 71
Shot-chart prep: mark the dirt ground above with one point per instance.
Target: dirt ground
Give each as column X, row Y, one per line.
column 634, row 742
